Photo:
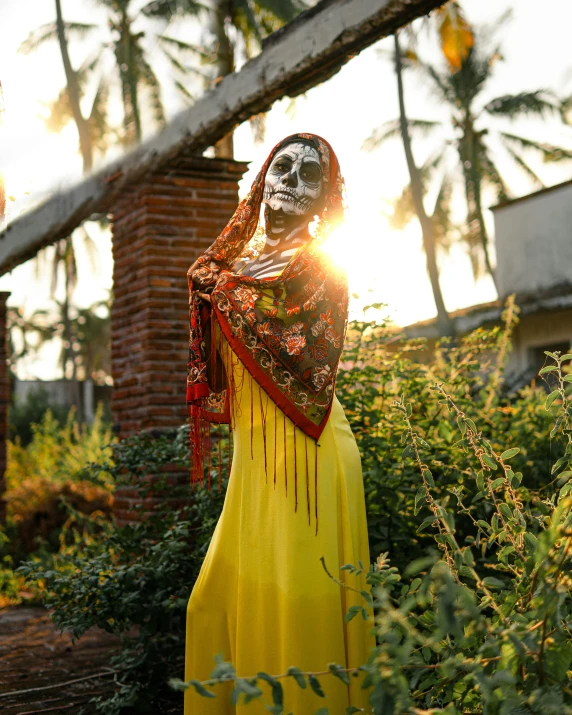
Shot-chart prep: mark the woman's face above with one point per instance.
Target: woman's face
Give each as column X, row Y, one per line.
column 294, row 180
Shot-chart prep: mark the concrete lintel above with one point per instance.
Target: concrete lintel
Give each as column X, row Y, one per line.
column 303, row 54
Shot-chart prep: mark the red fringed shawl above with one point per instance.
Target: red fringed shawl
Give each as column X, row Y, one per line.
column 294, row 360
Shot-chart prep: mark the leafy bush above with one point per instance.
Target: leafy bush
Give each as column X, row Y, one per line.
column 24, row 414
column 135, row 582
column 46, row 482
column 481, row 622
column 374, row 374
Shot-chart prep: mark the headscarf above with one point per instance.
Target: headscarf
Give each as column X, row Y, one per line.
column 294, row 358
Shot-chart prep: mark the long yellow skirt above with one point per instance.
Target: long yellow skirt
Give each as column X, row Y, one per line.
column 263, row 599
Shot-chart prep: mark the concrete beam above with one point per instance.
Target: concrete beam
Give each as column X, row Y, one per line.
column 301, row 55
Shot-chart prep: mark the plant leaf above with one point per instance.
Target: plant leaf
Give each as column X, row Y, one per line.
column 510, row 453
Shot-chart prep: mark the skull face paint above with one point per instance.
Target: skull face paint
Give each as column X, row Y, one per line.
column 294, row 180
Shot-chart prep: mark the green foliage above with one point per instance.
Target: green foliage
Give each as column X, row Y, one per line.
column 471, row 134
column 480, row 622
column 457, row 478
column 47, row 487
column 135, row 581
column 24, row 414
column 374, row 374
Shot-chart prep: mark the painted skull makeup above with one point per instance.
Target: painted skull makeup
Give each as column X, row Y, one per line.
column 294, row 181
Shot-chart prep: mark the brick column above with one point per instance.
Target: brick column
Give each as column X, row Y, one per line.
column 4, row 399
column 160, row 227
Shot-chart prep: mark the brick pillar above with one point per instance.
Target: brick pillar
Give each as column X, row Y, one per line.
column 4, row 399
column 160, row 227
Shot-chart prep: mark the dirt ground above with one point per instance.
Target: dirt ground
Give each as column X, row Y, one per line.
column 41, row 671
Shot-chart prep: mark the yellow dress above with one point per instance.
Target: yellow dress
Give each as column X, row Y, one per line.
column 262, row 599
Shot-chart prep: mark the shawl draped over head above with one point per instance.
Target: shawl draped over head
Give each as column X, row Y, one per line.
column 288, row 331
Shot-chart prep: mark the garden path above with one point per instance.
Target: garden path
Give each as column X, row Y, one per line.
column 42, row 671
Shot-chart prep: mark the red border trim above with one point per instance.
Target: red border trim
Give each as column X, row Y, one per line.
column 297, row 417
column 196, row 392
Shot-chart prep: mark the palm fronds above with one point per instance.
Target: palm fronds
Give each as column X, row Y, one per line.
column 247, row 23
column 183, row 47
column 282, row 10
column 443, row 226
column 59, row 112
column 168, row 9
column 403, row 209
column 149, row 79
column 539, row 103
column 549, row 152
column 491, row 176
column 48, row 33
column 99, row 128
column 526, row 168
column 392, row 130
column 184, row 92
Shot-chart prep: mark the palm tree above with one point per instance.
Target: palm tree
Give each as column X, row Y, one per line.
column 2, row 185
column 251, row 22
column 64, row 263
column 416, row 193
column 473, row 131
column 101, row 134
column 135, row 72
column 238, row 27
column 65, row 257
column 73, row 93
column 456, row 38
column 90, row 332
column 21, row 328
column 60, row 30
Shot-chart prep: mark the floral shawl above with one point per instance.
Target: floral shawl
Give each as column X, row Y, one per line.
column 293, row 358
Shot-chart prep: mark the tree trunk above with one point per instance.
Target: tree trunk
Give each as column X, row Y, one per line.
column 73, row 94
column 444, row 321
column 68, row 333
column 475, row 218
column 2, row 201
column 131, row 74
column 129, row 79
column 224, row 148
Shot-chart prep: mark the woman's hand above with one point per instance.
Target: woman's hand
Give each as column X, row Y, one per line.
column 205, row 296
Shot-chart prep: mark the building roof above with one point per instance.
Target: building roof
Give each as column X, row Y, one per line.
column 534, row 194
column 301, row 55
column 475, row 316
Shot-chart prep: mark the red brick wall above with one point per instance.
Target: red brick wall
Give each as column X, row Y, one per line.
column 159, row 229
column 4, row 399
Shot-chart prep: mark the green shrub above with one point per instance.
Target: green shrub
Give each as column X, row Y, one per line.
column 24, row 414
column 135, row 582
column 480, row 623
column 46, row 482
column 374, row 374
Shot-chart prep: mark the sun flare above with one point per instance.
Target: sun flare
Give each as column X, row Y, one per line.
column 352, row 247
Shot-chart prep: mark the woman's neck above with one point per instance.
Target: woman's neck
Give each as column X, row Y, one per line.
column 278, row 241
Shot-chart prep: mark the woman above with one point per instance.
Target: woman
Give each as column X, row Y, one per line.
column 268, row 317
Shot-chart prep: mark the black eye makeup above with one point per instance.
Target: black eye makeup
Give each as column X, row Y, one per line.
column 311, row 172
column 283, row 164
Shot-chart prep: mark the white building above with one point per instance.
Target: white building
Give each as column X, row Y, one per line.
column 533, row 237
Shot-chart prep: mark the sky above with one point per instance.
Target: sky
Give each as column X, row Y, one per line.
column 384, row 265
